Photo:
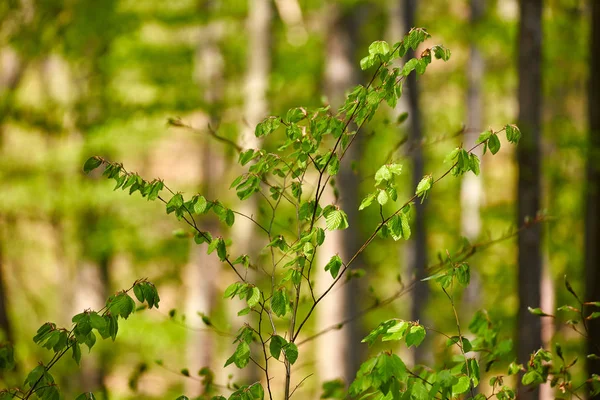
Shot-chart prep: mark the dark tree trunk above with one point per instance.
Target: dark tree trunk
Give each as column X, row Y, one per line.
column 592, row 220
column 419, row 251
column 529, row 181
column 11, row 72
column 5, row 328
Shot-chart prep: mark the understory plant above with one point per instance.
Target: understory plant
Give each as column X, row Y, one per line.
column 290, row 182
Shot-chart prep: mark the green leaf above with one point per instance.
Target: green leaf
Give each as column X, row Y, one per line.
column 441, row 53
column 464, row 383
column 367, row 62
column 415, row 336
column 267, row 126
column 91, row 164
column 43, row 332
column 138, row 292
column 253, row 297
column 245, row 157
column 333, row 266
column 396, row 332
column 399, row 226
column 241, row 357
column 175, row 203
column 76, row 352
column 379, row 47
column 382, row 197
column 232, row 290
column 335, row 219
column 514, row 368
column 594, row 315
column 121, row 305
column 484, row 136
column 221, row 249
column 7, row 357
column 538, row 311
column 532, row 377
column 463, row 274
column 513, row 134
column 367, row 201
column 381, row 329
column 97, row 321
column 295, row 115
column 424, row 186
column 275, row 345
column 493, row 144
column 410, row 66
column 291, row 352
column 474, row 163
column 279, row 302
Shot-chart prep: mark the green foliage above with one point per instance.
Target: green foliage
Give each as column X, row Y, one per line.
column 39, row 382
column 304, row 143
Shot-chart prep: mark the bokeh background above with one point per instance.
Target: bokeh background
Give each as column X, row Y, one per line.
column 81, row 78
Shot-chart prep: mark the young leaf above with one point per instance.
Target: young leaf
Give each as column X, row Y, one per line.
column 379, row 47
column 382, row 197
column 253, row 297
column 367, row 201
column 493, row 144
column 513, row 134
column 333, row 266
column 279, row 302
column 275, row 345
column 175, row 203
column 91, row 164
column 242, row 355
column 336, row 219
column 415, row 336
column 291, row 352
column 424, row 186
column 538, row 311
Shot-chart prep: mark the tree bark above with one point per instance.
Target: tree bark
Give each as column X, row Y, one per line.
column 201, row 275
column 11, row 72
column 471, row 189
column 258, row 26
column 529, row 181
column 418, row 259
column 338, row 355
column 592, row 220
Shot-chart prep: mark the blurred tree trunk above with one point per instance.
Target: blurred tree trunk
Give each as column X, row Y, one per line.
column 338, row 355
column 258, row 26
column 418, row 252
column 11, row 72
column 472, row 189
column 202, row 272
column 529, row 181
column 592, row 220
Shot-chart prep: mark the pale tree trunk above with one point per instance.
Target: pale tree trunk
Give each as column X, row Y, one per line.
column 418, row 251
column 201, row 275
column 258, row 27
column 529, row 182
column 291, row 15
column 337, row 352
column 471, row 192
column 592, row 220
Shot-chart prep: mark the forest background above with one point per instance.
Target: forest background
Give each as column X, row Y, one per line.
column 171, row 88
